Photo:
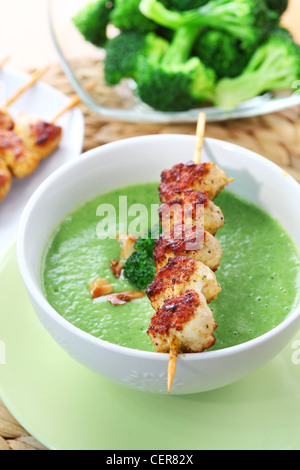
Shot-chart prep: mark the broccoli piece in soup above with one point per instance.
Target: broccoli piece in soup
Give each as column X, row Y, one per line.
column 139, row 269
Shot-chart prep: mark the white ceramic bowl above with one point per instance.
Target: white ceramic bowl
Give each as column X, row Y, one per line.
column 134, row 161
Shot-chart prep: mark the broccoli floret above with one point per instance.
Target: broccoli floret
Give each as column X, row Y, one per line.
column 274, row 66
column 183, row 5
column 247, row 20
column 124, row 52
column 177, row 82
column 278, row 5
column 145, row 245
column 139, row 269
column 222, row 52
column 127, row 16
column 92, row 21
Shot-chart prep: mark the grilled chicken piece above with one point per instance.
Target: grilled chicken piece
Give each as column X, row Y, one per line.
column 188, row 320
column 41, row 137
column 20, row 160
column 188, row 241
column 5, row 180
column 179, row 275
column 205, row 177
column 191, row 208
column 6, row 121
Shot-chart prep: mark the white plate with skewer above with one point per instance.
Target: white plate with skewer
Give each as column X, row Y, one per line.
column 43, row 102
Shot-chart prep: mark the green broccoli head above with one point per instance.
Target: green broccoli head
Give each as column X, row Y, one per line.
column 145, row 245
column 92, row 21
column 127, row 16
column 222, row 52
column 177, row 82
column 175, row 88
column 278, row 5
column 139, row 269
column 274, row 66
column 183, row 5
column 147, row 242
column 247, row 20
column 124, row 52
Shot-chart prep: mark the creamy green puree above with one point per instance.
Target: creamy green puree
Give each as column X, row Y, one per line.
column 259, row 273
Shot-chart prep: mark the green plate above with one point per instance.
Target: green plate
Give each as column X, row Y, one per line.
column 67, row 407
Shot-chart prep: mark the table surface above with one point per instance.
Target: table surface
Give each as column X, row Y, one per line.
column 31, row 23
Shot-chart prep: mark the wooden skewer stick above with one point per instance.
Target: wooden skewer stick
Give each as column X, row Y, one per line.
column 200, row 137
column 197, row 160
column 172, row 362
column 4, row 61
column 34, row 78
column 74, row 102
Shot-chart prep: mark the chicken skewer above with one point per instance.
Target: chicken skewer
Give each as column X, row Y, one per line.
column 191, row 208
column 206, row 177
column 32, row 140
column 174, row 348
column 184, row 285
column 41, row 137
column 11, row 148
column 179, row 275
column 20, row 160
column 191, row 242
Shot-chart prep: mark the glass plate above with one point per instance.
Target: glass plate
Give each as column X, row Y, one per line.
column 120, row 102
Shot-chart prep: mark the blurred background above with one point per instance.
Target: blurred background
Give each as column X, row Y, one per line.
column 25, row 36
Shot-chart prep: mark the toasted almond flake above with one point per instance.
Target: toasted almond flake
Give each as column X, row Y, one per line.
column 116, row 267
column 122, row 298
column 100, row 287
column 127, row 242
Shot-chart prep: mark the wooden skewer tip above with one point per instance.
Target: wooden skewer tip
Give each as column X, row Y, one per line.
column 74, row 102
column 34, row 78
column 200, row 137
column 172, row 363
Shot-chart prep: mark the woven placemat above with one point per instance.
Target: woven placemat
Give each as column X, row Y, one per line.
column 275, row 136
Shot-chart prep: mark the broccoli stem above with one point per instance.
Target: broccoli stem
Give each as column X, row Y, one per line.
column 181, row 47
column 220, row 14
column 267, row 70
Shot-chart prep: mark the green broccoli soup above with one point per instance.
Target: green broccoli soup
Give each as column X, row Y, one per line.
column 259, row 271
